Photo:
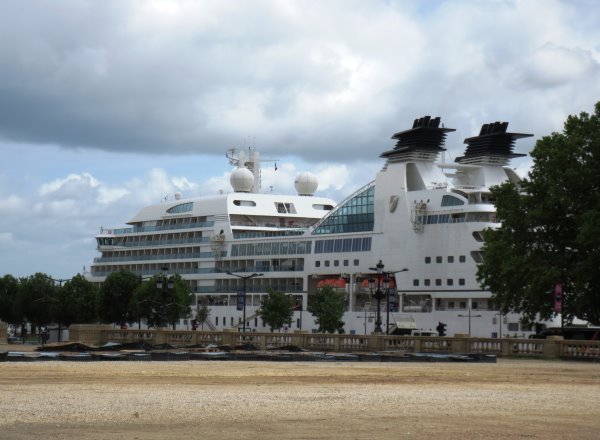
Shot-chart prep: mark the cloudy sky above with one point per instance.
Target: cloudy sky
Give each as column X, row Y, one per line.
column 107, row 106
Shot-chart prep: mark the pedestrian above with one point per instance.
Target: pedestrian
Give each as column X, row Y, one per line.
column 44, row 336
column 24, row 333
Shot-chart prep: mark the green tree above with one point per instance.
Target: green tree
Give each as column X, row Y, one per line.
column 202, row 314
column 77, row 302
column 550, row 230
column 9, row 291
column 114, row 297
column 161, row 301
column 36, row 300
column 328, row 307
column 276, row 309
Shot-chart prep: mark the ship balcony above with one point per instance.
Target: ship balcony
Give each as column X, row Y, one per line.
column 154, row 243
column 454, row 217
column 263, row 225
column 152, row 272
column 137, row 258
column 137, row 229
column 242, row 235
column 232, row 290
column 281, row 268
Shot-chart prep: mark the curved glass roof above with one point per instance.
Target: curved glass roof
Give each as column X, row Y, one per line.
column 355, row 214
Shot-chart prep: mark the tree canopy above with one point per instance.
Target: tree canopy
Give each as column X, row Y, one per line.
column 161, row 305
column 76, row 302
column 328, row 307
column 276, row 309
column 9, row 290
column 114, row 298
column 36, row 301
column 550, row 230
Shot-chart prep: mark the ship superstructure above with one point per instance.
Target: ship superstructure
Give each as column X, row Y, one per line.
column 417, row 215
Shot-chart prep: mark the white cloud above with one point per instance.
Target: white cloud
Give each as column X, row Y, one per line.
column 12, row 203
column 183, row 183
column 109, row 195
column 170, row 76
column 334, row 176
column 70, row 186
column 324, row 83
column 552, row 66
column 81, row 188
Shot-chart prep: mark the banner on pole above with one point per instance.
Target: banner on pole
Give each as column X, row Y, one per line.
column 240, row 300
column 558, row 297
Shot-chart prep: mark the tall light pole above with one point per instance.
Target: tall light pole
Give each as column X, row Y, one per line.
column 243, row 296
column 469, row 316
column 499, row 315
column 46, row 299
column 387, row 322
column 164, row 285
column 298, row 306
column 378, row 294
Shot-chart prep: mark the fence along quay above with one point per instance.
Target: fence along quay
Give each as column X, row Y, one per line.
column 550, row 348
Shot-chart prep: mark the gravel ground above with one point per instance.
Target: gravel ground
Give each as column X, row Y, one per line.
column 280, row 400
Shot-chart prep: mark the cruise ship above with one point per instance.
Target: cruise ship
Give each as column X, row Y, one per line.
column 413, row 234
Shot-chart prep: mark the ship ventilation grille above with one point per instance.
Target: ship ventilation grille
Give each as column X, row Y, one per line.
column 418, row 216
column 221, row 218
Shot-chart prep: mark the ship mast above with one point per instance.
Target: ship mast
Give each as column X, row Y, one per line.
column 250, row 160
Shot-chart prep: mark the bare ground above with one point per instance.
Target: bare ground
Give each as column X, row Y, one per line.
column 271, row 400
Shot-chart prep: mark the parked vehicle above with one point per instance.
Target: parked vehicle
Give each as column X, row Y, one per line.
column 570, row 332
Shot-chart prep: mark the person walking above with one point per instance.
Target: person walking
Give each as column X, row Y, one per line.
column 24, row 333
column 44, row 335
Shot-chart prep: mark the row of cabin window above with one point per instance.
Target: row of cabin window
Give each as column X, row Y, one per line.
column 357, row 244
column 336, row 263
column 438, row 282
column 450, row 259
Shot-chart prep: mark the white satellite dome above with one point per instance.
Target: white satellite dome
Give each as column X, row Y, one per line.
column 306, row 184
column 242, row 180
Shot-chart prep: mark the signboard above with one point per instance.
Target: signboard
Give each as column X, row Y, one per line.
column 240, row 299
column 558, row 297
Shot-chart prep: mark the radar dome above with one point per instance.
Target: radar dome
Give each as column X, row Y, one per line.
column 306, row 184
column 242, row 180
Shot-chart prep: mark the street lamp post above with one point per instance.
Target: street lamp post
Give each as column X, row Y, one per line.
column 60, row 283
column 370, row 316
column 499, row 315
column 244, row 278
column 142, row 279
column 378, row 294
column 469, row 315
column 298, row 306
column 387, row 322
column 164, row 285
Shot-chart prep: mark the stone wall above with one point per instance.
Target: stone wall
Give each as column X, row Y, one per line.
column 88, row 333
column 551, row 348
column 3, row 332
